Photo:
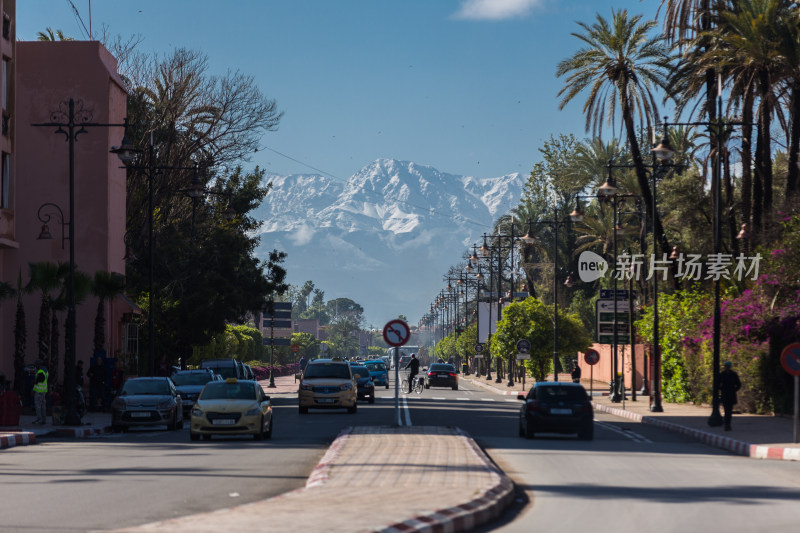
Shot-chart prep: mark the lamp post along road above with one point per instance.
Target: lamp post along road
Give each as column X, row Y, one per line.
column 127, row 153
column 75, row 121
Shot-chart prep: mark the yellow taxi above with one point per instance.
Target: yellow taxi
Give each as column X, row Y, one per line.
column 231, row 407
column 327, row 384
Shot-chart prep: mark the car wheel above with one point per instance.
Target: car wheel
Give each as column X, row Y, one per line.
column 529, row 430
column 206, row 437
column 587, row 433
column 259, row 435
column 268, row 432
column 455, row 387
column 173, row 425
column 353, row 409
column 180, row 423
column 372, row 399
column 387, row 385
column 427, row 385
column 194, row 436
column 521, row 431
column 303, row 410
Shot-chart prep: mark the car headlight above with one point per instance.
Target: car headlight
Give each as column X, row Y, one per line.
column 253, row 411
column 197, row 412
column 164, row 404
column 118, row 403
column 306, row 386
column 369, row 384
column 346, row 386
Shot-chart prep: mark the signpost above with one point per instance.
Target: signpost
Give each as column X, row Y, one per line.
column 604, row 313
column 271, row 311
column 591, row 356
column 790, row 360
column 396, row 333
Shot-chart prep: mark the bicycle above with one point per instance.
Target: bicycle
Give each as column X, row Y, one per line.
column 419, row 384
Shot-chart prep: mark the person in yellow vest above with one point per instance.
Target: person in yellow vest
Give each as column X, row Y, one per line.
column 40, row 393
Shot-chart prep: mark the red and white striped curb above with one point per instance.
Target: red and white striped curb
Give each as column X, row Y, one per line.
column 322, row 471
column 81, row 432
column 468, row 515
column 718, row 441
column 23, row 438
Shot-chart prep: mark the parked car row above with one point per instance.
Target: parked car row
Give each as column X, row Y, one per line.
column 221, row 397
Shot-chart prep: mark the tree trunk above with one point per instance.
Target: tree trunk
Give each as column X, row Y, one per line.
column 747, row 156
column 764, row 122
column 52, row 365
column 794, row 141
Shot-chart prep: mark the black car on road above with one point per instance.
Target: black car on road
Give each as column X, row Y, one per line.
column 556, row 407
column 441, row 375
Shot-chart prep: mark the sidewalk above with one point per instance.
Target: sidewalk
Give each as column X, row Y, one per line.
column 28, row 433
column 757, row 436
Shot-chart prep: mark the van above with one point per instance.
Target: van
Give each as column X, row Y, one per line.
column 227, row 368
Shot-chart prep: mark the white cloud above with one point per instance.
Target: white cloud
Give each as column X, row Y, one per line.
column 302, row 235
column 495, row 9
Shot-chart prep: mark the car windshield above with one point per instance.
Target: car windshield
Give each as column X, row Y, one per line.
column 560, row 393
column 327, row 370
column 360, row 372
column 376, row 366
column 145, row 386
column 228, row 391
column 439, row 367
column 225, row 371
column 191, row 378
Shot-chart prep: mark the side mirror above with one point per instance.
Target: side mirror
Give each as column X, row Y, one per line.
column 266, row 398
column 424, row 368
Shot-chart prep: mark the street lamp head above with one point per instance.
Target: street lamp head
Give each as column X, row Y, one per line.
column 45, row 234
column 744, row 232
column 577, row 213
column 676, row 253
column 126, row 151
column 608, row 189
column 664, row 151
column 196, row 189
column 568, row 282
column 484, row 248
column 479, row 275
column 528, row 237
column 469, row 268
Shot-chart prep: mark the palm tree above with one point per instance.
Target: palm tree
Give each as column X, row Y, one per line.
column 48, row 35
column 20, row 341
column 620, row 67
column 106, row 286
column 45, row 277
column 57, row 305
column 6, row 291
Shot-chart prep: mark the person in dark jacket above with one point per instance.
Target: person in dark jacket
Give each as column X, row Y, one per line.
column 413, row 368
column 729, row 385
column 576, row 372
column 97, row 380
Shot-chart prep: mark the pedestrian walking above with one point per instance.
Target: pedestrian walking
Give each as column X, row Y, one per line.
column 729, row 385
column 117, row 379
column 97, row 380
column 576, row 372
column 40, row 392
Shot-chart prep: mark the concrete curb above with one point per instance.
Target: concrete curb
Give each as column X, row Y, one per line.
column 80, row 432
column 718, row 441
column 22, row 438
column 466, row 516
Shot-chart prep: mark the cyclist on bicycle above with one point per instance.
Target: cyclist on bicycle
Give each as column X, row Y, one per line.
column 413, row 368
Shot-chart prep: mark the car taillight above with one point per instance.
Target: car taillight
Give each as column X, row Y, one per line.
column 452, row 375
column 430, row 374
column 534, row 405
column 586, row 407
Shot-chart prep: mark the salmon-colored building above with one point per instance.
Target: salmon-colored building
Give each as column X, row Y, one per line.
column 47, row 76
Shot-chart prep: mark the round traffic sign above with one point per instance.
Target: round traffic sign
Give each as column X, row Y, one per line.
column 295, row 348
column 591, row 356
column 396, row 332
column 478, row 348
column 523, row 346
column 790, row 359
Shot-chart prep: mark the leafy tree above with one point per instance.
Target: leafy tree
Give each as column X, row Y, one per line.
column 339, row 308
column 44, row 278
column 309, row 345
column 533, row 320
column 341, row 339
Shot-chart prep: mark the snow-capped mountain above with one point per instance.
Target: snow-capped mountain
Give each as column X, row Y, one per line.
column 386, row 236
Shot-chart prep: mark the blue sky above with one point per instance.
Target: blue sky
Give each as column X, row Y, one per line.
column 465, row 86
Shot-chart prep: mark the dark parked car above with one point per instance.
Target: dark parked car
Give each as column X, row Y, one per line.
column 441, row 375
column 189, row 383
column 364, row 384
column 556, row 407
column 227, row 368
column 147, row 402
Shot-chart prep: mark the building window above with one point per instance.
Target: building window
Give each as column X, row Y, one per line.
column 6, row 25
column 5, row 182
column 130, row 345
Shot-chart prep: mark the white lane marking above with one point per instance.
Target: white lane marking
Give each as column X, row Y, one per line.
column 512, row 401
column 635, row 437
column 438, row 398
column 406, row 411
column 463, row 399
